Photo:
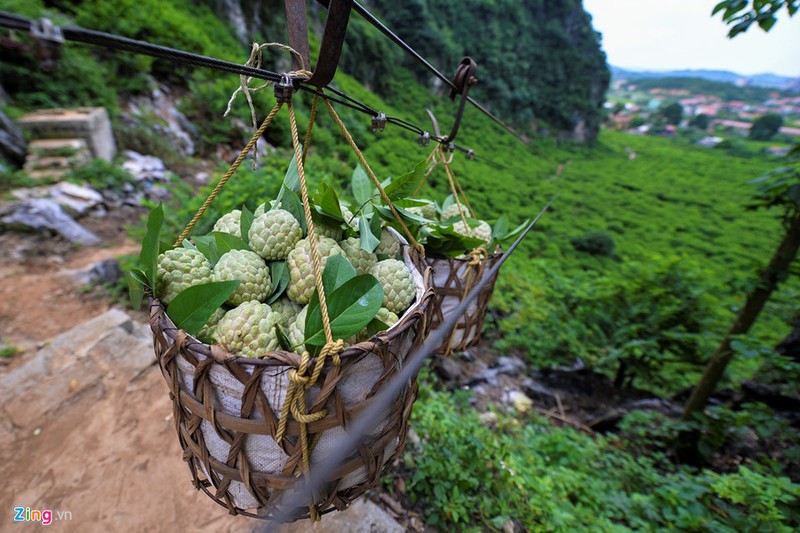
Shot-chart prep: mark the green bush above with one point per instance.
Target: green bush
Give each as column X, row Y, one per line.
column 468, row 477
column 651, row 319
column 594, row 243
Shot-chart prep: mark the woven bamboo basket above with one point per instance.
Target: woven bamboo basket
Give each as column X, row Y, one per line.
column 452, row 280
column 226, row 411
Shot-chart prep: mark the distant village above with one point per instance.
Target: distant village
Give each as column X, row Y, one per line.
column 670, row 112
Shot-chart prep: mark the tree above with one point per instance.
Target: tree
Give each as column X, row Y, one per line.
column 700, row 121
column 765, row 127
column 673, row 113
column 740, row 15
column 780, row 188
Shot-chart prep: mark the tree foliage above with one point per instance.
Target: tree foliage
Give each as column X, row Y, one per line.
column 765, row 127
column 539, row 63
column 741, row 14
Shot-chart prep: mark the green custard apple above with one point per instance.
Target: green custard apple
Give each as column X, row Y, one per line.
column 249, row 330
column 230, row 223
column 274, row 234
column 361, row 259
column 389, row 244
column 248, row 267
column 301, row 272
column 482, row 231
column 398, row 284
column 179, row 269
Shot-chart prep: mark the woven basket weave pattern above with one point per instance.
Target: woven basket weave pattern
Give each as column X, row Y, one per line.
column 226, row 411
column 451, row 283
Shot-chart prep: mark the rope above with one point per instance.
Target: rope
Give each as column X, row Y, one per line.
column 374, row 179
column 249, row 146
column 451, row 180
column 311, row 118
column 431, row 166
column 312, row 234
column 255, row 60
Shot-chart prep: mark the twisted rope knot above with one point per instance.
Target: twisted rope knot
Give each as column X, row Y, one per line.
column 306, row 418
column 333, row 349
column 477, row 255
column 297, row 379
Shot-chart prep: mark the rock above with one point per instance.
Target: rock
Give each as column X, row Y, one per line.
column 489, row 418
column 363, row 516
column 12, row 142
column 39, row 214
column 518, row 400
column 448, row 368
column 73, row 363
column 55, row 157
column 144, row 167
column 170, row 123
column 76, row 200
column 91, row 124
column 107, row 271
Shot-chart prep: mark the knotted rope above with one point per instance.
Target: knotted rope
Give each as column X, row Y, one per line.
column 412, row 241
column 255, row 60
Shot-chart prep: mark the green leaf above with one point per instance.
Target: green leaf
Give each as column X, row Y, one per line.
column 368, row 240
column 207, row 245
column 227, row 242
column 362, row 186
column 148, row 257
column 291, row 181
column 163, row 246
column 408, row 217
column 513, row 234
column 500, row 229
column 338, row 270
column 283, row 340
column 192, row 307
column 188, row 245
column 327, row 204
column 292, row 203
column 350, row 308
column 135, row 290
column 450, row 200
column 138, row 276
column 406, row 184
column 245, row 222
column 279, row 276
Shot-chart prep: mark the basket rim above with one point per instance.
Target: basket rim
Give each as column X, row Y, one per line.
column 422, row 273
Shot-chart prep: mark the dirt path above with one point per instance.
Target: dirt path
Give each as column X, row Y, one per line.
column 93, row 437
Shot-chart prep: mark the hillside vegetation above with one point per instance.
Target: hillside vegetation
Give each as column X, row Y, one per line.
column 637, row 269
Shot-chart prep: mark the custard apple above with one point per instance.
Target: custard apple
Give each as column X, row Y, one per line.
column 426, row 211
column 274, row 234
column 397, row 282
column 301, row 272
column 287, row 309
column 361, row 259
column 249, row 330
column 331, row 232
column 453, row 211
column 179, row 269
column 482, row 231
column 248, row 267
column 387, row 317
column 389, row 245
column 296, row 331
column 262, row 208
column 209, row 329
column 230, row 223
column 349, row 219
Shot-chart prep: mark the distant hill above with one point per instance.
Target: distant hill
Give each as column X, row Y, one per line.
column 724, row 76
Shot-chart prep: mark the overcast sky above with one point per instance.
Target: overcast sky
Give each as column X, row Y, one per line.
column 681, row 34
